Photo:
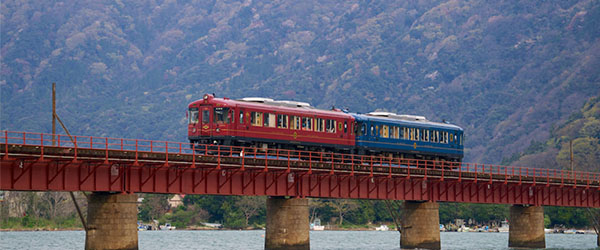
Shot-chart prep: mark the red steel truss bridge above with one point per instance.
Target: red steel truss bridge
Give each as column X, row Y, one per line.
column 39, row 162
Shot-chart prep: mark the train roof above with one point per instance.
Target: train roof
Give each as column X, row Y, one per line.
column 410, row 120
column 278, row 105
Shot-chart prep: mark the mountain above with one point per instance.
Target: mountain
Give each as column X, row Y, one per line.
column 579, row 134
column 505, row 71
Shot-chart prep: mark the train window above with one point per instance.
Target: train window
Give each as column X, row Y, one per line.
column 256, row 119
column 306, row 123
column 241, row 117
column 446, row 137
column 295, row 122
column 330, row 126
column 372, row 130
column 357, row 129
column 221, row 116
column 266, row 119
column 394, row 132
column 426, row 134
column 417, row 134
column 345, row 127
column 232, row 115
column 319, row 124
column 282, row 121
column 269, row 120
column 205, row 116
column 193, row 116
column 385, row 131
column 404, row 133
column 363, row 129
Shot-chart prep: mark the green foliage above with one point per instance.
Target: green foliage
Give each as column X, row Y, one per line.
column 567, row 216
column 183, row 217
column 233, row 217
column 30, row 222
column 547, row 221
column 582, row 129
column 153, row 207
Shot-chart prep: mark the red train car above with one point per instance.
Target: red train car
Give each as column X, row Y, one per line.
column 263, row 122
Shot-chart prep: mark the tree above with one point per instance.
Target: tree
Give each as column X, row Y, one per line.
column 153, row 206
column 250, row 205
column 342, row 207
column 55, row 201
column 314, row 205
column 232, row 217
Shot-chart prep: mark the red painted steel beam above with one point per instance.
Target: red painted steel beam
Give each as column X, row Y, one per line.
column 120, row 165
column 28, row 174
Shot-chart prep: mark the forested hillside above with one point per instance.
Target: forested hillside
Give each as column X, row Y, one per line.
column 504, row 70
column 582, row 130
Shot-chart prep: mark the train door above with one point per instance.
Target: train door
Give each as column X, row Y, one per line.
column 206, row 118
column 346, row 131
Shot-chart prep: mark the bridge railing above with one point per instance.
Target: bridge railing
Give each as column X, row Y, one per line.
column 423, row 167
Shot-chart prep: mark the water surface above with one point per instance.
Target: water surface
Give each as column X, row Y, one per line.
column 255, row 240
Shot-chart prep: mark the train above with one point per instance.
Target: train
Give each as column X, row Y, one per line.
column 267, row 123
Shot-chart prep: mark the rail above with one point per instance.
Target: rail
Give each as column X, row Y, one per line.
column 370, row 162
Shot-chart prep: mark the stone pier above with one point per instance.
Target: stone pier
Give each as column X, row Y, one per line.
column 526, row 227
column 111, row 221
column 420, row 225
column 287, row 224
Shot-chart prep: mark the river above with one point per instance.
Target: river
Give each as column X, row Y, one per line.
column 255, row 239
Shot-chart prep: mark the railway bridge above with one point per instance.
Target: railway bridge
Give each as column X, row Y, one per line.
column 113, row 169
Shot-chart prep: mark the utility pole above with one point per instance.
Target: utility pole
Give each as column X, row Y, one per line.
column 571, row 153
column 53, row 113
column 54, row 118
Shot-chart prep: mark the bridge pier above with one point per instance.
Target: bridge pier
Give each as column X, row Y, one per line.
column 111, row 221
column 287, row 224
column 526, row 227
column 420, row 225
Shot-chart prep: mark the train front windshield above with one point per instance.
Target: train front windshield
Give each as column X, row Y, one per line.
column 193, row 115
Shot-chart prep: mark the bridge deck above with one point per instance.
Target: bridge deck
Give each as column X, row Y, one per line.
column 30, row 162
column 407, row 168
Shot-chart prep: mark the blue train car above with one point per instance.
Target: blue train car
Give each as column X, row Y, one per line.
column 407, row 136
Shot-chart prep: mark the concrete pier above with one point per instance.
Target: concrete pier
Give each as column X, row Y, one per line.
column 111, row 221
column 420, row 225
column 287, row 224
column 526, row 227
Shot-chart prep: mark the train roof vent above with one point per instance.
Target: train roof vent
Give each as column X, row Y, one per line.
column 382, row 114
column 397, row 116
column 256, row 99
column 293, row 104
column 412, row 117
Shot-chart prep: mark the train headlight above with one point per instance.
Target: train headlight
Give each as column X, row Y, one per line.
column 194, row 130
column 218, row 130
column 206, row 97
